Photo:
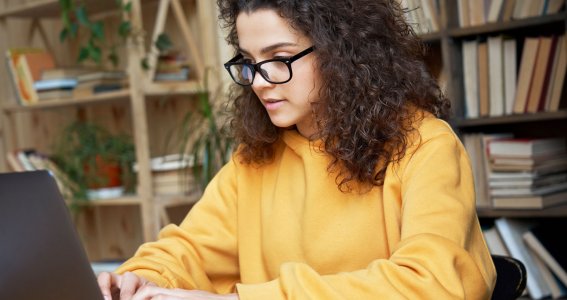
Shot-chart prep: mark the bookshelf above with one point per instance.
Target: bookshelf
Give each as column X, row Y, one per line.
column 448, row 44
column 148, row 110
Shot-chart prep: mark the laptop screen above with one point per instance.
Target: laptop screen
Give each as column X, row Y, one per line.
column 41, row 256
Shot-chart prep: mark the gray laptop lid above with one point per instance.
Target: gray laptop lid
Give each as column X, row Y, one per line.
column 41, row 256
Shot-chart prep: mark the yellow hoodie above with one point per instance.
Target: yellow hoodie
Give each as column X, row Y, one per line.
column 285, row 231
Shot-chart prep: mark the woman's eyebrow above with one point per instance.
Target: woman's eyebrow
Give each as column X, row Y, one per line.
column 269, row 48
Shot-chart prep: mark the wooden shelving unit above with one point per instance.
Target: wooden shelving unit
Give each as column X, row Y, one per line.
column 144, row 209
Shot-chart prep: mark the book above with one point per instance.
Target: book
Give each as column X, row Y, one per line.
column 494, row 242
column 496, row 75
column 473, row 145
column 53, row 84
column 511, row 231
column 510, row 70
column 555, row 287
column 552, row 249
column 21, row 75
column 470, row 73
column 557, row 79
column 537, row 86
column 529, row 191
column 530, row 202
column 64, row 73
column 507, row 11
column 463, row 10
column 54, row 94
column 494, row 10
column 527, row 67
column 529, row 161
column 554, row 6
column 526, row 147
column 483, row 81
column 37, row 62
column 100, row 75
column 529, row 182
column 541, row 167
column 477, row 13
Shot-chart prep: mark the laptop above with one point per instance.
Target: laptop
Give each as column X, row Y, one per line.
column 41, row 256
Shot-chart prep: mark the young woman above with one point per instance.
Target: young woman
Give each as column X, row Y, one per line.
column 345, row 184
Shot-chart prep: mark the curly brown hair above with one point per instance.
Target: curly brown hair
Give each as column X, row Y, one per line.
column 373, row 73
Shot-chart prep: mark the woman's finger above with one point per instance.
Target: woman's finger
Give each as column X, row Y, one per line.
column 129, row 284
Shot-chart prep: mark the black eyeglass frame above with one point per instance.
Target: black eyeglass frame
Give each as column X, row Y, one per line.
column 256, row 68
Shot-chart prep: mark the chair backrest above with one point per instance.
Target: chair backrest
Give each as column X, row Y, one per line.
column 511, row 278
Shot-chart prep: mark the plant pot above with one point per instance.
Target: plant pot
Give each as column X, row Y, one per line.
column 105, row 174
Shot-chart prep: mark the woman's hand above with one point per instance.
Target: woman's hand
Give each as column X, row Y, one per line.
column 154, row 292
column 114, row 286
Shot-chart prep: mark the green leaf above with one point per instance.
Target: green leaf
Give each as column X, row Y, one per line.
column 94, row 52
column 128, row 7
column 145, row 64
column 113, row 57
column 83, row 54
column 81, row 14
column 124, row 29
column 65, row 5
column 97, row 30
column 163, row 42
column 65, row 18
column 63, row 34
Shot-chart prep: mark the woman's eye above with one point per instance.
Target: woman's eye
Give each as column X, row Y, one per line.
column 247, row 61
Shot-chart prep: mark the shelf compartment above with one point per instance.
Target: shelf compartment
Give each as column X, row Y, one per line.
column 489, row 28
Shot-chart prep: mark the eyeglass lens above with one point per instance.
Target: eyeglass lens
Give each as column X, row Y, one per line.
column 273, row 71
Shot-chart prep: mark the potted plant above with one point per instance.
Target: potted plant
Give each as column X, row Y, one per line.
column 94, row 159
column 203, row 137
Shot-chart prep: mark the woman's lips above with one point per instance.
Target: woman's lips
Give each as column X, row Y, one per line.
column 272, row 104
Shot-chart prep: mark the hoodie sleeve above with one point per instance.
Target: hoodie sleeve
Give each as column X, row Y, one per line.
column 201, row 253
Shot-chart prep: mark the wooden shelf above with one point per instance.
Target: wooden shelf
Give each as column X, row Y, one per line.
column 512, row 25
column 432, row 37
column 550, row 212
column 50, row 8
column 511, row 119
column 41, row 8
column 173, row 88
column 125, row 200
column 153, row 89
column 94, row 99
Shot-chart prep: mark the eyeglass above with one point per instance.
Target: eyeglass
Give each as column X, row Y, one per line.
column 276, row 71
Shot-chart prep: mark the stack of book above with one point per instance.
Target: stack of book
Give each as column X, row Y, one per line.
column 31, row 160
column 35, row 77
column 537, row 245
column 527, row 173
column 172, row 174
column 99, row 81
column 172, row 67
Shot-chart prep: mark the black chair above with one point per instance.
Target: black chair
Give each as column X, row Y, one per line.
column 510, row 278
